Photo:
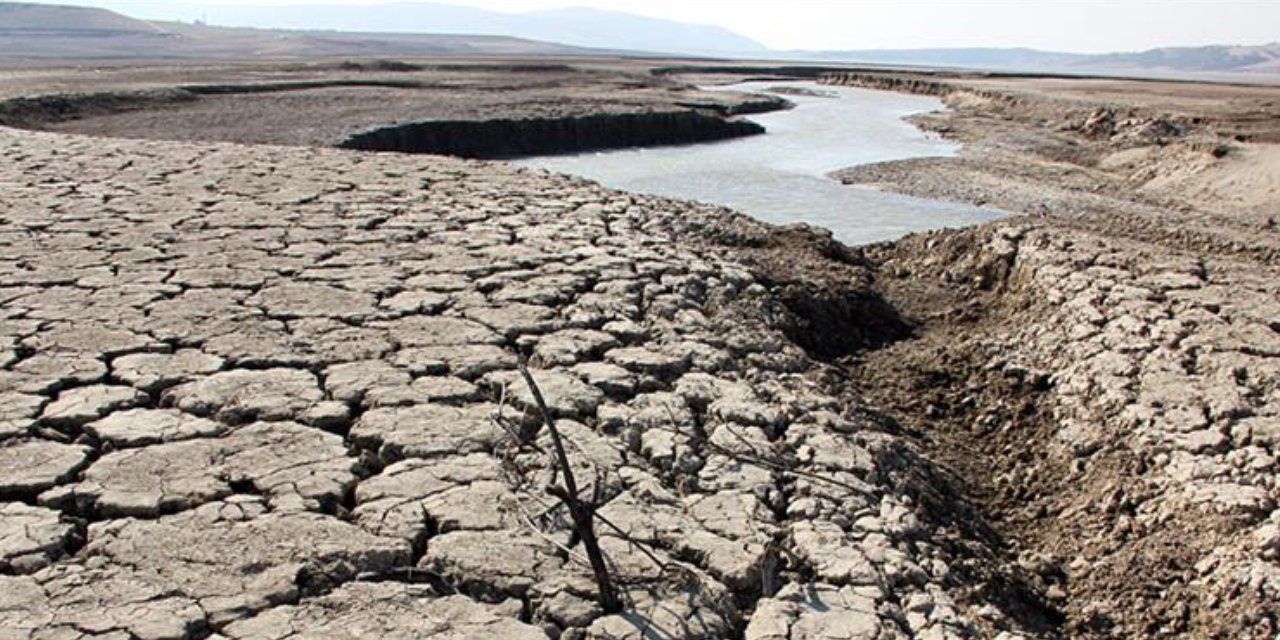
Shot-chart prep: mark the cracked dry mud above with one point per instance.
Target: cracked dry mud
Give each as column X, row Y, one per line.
column 251, row 392
column 254, row 392
column 1142, row 378
column 1101, row 373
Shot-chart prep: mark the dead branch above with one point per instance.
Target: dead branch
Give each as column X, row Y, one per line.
column 581, row 512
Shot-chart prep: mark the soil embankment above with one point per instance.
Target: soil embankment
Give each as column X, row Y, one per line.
column 514, row 138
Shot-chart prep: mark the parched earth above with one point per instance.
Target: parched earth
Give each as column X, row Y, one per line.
column 255, row 391
column 266, row 392
column 1111, row 406
column 1101, row 373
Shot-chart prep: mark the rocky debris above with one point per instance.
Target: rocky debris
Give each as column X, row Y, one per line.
column 1139, row 374
column 377, row 610
column 142, row 427
column 28, row 467
column 291, row 465
column 243, row 395
column 31, row 538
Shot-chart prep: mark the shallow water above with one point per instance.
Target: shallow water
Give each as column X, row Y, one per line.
column 780, row 177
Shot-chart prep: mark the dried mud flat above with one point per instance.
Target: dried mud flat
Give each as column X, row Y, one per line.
column 253, row 392
column 271, row 392
column 325, row 102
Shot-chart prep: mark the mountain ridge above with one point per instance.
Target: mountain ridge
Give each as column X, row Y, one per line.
column 1244, row 59
column 68, row 19
column 574, row 26
column 50, row 31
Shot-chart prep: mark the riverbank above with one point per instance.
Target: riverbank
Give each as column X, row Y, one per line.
column 1103, row 372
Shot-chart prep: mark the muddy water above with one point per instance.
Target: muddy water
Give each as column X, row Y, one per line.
column 780, row 177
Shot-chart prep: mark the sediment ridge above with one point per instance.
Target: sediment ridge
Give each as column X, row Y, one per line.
column 466, row 110
column 520, row 137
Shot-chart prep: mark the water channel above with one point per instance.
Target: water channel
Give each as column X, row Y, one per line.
column 780, row 176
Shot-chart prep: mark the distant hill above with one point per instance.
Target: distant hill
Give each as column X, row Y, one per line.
column 37, row 31
column 1192, row 61
column 577, row 26
column 968, row 58
column 43, row 31
column 593, row 28
column 19, row 18
column 1263, row 58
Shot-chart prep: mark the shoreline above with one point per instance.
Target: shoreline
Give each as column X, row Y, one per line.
column 1013, row 429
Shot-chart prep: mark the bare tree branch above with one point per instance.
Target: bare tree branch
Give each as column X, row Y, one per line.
column 582, row 513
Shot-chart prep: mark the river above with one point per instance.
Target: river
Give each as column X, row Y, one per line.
column 780, row 176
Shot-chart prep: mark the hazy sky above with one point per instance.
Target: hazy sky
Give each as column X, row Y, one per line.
column 1063, row 25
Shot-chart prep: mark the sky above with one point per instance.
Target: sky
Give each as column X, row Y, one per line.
column 1084, row 26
